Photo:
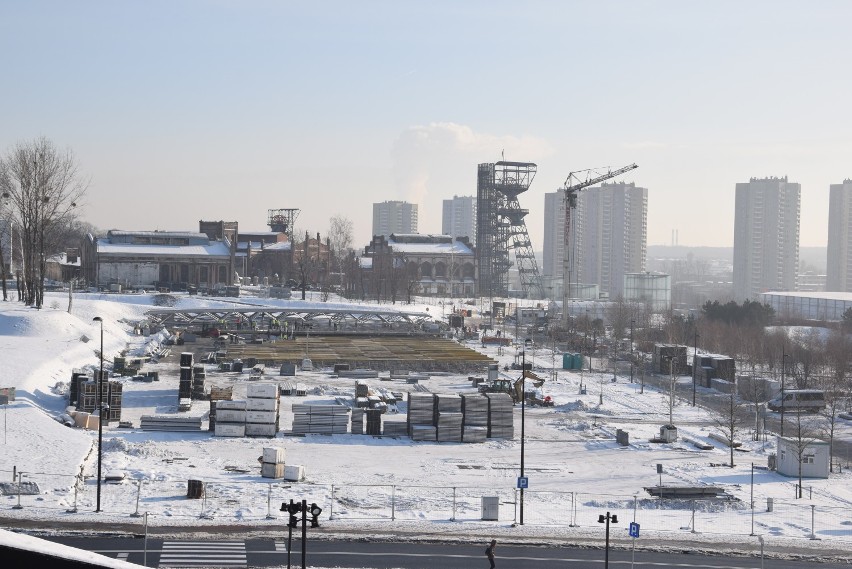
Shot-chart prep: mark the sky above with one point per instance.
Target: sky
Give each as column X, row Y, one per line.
column 185, row 110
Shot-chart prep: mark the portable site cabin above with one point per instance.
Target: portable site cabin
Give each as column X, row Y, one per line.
column 815, row 458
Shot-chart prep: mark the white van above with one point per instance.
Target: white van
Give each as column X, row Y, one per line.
column 807, row 400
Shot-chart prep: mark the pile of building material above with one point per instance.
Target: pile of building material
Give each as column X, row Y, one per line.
column 217, row 394
column 169, row 423
column 357, row 421
column 449, row 420
column 262, row 409
column 111, row 395
column 272, row 462
column 421, row 416
column 374, row 421
column 290, row 388
column 185, row 384
column 358, row 373
column 320, row 419
column 198, row 377
column 230, row 419
column 395, row 429
column 475, row 409
column 500, row 416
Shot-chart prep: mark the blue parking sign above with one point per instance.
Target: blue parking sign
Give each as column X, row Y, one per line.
column 634, row 529
column 523, row 482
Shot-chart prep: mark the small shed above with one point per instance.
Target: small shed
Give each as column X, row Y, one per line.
column 815, row 458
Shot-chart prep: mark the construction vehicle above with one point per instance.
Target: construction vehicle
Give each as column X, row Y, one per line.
column 573, row 184
column 515, row 388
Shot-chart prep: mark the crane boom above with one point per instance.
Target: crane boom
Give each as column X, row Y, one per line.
column 574, row 184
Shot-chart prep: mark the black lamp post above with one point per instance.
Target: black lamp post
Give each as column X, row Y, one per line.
column 523, row 416
column 605, row 519
column 100, row 412
column 632, row 323
column 784, row 357
column 694, row 365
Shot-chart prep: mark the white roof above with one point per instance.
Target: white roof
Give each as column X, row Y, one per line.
column 280, row 246
column 213, row 249
column 842, row 296
column 454, row 248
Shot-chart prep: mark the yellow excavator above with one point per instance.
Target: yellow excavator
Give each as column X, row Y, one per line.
column 516, row 389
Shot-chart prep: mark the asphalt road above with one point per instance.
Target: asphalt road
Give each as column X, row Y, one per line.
column 373, row 555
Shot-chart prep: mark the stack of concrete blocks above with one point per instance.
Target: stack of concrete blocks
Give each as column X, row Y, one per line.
column 262, row 407
column 475, row 409
column 230, row 419
column 421, row 416
column 449, row 418
column 272, row 465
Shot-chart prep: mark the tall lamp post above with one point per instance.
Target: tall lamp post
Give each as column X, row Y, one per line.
column 694, row 365
column 605, row 519
column 632, row 323
column 100, row 412
column 523, row 417
column 784, row 357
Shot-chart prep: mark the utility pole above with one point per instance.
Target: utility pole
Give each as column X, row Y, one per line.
column 632, row 323
column 694, row 365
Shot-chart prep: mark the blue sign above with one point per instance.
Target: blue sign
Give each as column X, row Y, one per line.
column 523, row 482
column 634, row 529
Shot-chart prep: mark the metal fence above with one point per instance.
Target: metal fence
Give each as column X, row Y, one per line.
column 245, row 501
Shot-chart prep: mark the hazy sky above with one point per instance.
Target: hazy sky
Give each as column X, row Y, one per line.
column 184, row 110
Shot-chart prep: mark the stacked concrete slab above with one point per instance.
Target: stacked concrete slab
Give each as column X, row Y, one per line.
column 421, row 416
column 475, row 410
column 449, row 418
column 500, row 416
column 230, row 419
column 262, row 406
column 321, row 419
column 272, row 465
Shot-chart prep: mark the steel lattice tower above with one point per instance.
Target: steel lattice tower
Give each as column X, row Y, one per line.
column 500, row 227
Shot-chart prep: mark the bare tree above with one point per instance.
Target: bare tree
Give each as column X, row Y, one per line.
column 804, row 435
column 836, row 386
column 729, row 420
column 43, row 186
column 340, row 236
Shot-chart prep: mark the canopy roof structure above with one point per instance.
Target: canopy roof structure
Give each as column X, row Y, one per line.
column 262, row 317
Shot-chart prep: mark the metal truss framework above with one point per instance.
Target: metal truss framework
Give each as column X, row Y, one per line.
column 501, row 227
column 261, row 317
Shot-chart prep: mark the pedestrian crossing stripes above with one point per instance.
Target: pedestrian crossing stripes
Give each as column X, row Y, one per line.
column 281, row 546
column 203, row 554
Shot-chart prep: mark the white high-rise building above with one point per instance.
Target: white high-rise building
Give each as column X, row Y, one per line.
column 609, row 236
column 839, row 268
column 394, row 217
column 459, row 218
column 766, row 237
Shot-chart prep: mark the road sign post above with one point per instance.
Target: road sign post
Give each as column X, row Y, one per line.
column 633, row 530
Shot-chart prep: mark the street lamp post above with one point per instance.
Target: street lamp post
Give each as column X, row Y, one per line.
column 100, row 413
column 607, row 519
column 784, row 357
column 523, row 417
column 632, row 323
column 694, row 365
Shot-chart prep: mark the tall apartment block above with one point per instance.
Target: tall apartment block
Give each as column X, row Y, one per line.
column 839, row 268
column 609, row 236
column 554, row 241
column 459, row 217
column 766, row 237
column 394, row 217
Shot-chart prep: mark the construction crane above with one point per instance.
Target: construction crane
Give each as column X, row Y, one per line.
column 573, row 185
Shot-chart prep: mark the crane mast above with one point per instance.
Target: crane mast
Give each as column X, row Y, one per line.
column 573, row 185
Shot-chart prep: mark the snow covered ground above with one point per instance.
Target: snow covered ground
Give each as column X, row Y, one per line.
column 364, row 484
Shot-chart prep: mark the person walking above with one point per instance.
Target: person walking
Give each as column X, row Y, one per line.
column 489, row 552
